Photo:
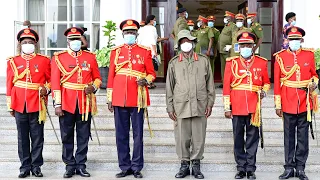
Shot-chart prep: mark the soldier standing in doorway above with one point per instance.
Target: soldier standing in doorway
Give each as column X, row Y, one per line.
column 181, row 23
column 246, row 82
column 225, row 40
column 191, row 73
column 204, row 36
column 216, row 32
column 75, row 78
column 256, row 29
column 28, row 86
column 295, row 80
column 131, row 71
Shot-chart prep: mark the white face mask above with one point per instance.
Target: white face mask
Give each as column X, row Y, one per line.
column 186, row 47
column 249, row 21
column 27, row 48
column 199, row 24
column 191, row 28
column 239, row 24
column 225, row 20
column 75, row 45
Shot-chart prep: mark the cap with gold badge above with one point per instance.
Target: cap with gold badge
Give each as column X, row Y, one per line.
column 129, row 24
column 211, row 18
column 240, row 16
column 249, row 15
column 203, row 19
column 73, row 33
column 229, row 14
column 295, row 33
column 28, row 33
column 190, row 23
column 246, row 38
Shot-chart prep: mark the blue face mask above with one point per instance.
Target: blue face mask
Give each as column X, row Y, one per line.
column 210, row 24
column 294, row 45
column 129, row 39
column 293, row 23
column 246, row 52
column 154, row 23
column 75, row 45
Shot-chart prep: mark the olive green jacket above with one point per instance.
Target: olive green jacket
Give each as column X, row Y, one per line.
column 203, row 36
column 180, row 24
column 225, row 37
column 189, row 86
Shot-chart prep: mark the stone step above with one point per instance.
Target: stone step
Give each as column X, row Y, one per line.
column 157, row 145
column 212, row 162
column 159, row 130
column 97, row 174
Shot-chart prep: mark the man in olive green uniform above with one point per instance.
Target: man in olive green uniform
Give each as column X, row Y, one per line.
column 180, row 24
column 240, row 29
column 191, row 28
column 225, row 40
column 190, row 96
column 216, row 32
column 256, row 29
column 205, row 37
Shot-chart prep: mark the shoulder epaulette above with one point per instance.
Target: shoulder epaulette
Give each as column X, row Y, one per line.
column 231, row 58
column 308, row 49
column 89, row 52
column 262, row 58
column 60, row 52
column 144, row 47
column 175, row 57
column 279, row 52
column 117, row 47
column 43, row 55
column 11, row 57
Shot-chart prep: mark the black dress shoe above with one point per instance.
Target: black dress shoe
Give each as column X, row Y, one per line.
column 137, row 174
column 83, row 172
column 24, row 174
column 68, row 174
column 240, row 175
column 196, row 172
column 37, row 172
column 184, row 169
column 302, row 175
column 124, row 173
column 288, row 173
column 251, row 175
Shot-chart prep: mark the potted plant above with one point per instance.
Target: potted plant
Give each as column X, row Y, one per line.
column 103, row 55
column 317, row 59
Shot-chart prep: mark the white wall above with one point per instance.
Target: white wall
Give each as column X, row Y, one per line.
column 119, row 11
column 9, row 13
column 307, row 12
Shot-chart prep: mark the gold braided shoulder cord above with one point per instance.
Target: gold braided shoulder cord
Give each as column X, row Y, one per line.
column 17, row 76
column 234, row 70
column 63, row 70
column 287, row 74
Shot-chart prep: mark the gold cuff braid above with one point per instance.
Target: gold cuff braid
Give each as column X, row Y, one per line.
column 8, row 99
column 57, row 97
column 227, row 103
column 109, row 95
column 277, row 101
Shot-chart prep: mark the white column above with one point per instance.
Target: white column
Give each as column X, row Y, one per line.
column 9, row 13
column 117, row 11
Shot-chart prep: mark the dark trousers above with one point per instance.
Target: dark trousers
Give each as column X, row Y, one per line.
column 67, row 125
column 245, row 150
column 29, row 128
column 122, row 116
column 296, row 153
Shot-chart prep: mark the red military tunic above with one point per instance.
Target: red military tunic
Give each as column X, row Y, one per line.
column 291, row 72
column 242, row 82
column 25, row 75
column 71, row 73
column 127, row 65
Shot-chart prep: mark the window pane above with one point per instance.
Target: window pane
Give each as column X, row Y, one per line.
column 40, row 29
column 96, row 10
column 265, row 16
column 80, row 10
column 55, row 36
column 95, row 36
column 35, row 10
column 159, row 13
column 86, row 33
column 57, row 10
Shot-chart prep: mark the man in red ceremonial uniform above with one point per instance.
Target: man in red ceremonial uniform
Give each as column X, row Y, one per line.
column 246, row 82
column 28, row 84
column 75, row 78
column 130, row 71
column 295, row 80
